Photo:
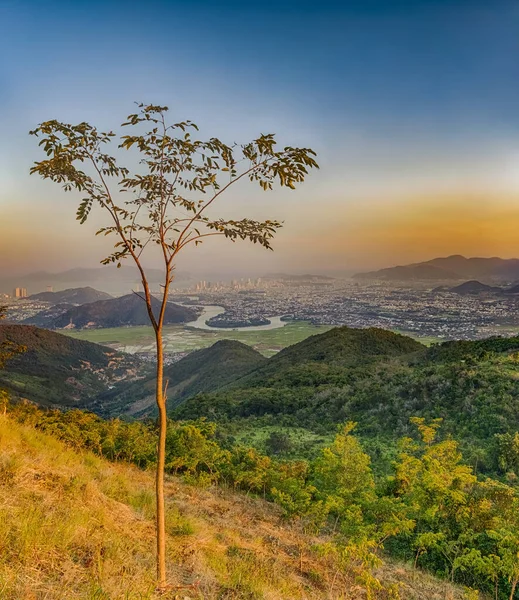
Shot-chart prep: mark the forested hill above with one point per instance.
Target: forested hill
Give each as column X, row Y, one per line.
column 334, row 351
column 57, row 370
column 472, row 386
column 229, row 364
column 119, row 312
column 201, row 371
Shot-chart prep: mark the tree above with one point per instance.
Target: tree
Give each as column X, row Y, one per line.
column 179, row 179
column 432, row 481
column 278, row 442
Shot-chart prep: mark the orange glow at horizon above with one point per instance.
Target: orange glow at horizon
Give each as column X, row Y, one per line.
column 386, row 233
column 348, row 235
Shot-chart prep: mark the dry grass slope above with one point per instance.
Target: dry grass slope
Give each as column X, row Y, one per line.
column 73, row 526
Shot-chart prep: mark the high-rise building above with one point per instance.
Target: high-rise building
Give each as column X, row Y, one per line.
column 20, row 292
column 49, row 288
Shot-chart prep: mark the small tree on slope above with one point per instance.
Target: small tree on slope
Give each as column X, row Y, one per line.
column 167, row 205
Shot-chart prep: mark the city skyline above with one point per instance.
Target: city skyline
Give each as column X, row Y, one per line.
column 411, row 107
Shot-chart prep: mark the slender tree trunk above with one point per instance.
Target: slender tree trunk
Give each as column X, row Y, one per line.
column 514, row 585
column 161, row 459
column 418, row 553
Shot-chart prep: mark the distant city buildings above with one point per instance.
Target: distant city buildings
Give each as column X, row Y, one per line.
column 49, row 288
column 20, row 292
column 235, row 285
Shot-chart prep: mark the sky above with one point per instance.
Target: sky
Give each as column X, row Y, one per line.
column 411, row 105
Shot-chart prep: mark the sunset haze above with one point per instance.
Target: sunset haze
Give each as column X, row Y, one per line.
column 411, row 107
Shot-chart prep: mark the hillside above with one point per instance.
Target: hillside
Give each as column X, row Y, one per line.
column 333, row 351
column 201, row 371
column 475, row 287
column 120, row 312
column 450, row 268
column 472, row 386
column 76, row 296
column 512, row 290
column 79, row 527
column 57, row 370
column 47, row 317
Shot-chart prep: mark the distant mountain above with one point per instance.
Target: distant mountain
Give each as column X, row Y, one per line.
column 450, row 268
column 60, row 371
column 201, row 371
column 75, row 296
column 120, row 312
column 421, row 272
column 475, row 287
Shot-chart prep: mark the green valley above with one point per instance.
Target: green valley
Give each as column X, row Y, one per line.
column 180, row 338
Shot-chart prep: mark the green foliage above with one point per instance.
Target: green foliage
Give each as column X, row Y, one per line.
column 465, row 529
column 201, row 371
column 343, row 469
column 472, row 386
column 507, row 452
column 184, row 175
column 190, row 449
column 278, row 442
column 432, row 510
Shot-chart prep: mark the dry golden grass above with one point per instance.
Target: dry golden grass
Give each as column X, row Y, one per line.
column 73, row 526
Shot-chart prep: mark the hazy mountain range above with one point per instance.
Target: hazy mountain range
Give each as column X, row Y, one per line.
column 450, row 268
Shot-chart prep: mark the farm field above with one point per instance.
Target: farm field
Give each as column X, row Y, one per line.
column 179, row 338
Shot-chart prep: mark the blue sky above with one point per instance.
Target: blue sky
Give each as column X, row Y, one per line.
column 413, row 107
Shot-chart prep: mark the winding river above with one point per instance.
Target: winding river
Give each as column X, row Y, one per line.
column 213, row 311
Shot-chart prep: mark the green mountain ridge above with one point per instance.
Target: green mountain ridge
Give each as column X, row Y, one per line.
column 374, row 377
column 339, row 348
column 472, row 385
column 200, row 371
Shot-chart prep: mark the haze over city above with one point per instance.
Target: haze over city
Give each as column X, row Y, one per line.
column 410, row 105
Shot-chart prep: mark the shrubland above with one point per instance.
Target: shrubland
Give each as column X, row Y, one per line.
column 431, row 513
column 472, row 386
